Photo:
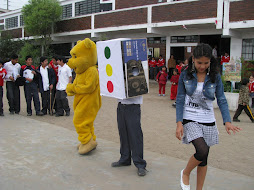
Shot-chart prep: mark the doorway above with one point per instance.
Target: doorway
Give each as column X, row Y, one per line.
column 178, row 53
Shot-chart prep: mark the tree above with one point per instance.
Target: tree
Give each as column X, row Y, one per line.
column 8, row 47
column 40, row 17
column 32, row 50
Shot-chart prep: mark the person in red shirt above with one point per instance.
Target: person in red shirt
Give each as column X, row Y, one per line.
column 54, row 65
column 179, row 67
column 224, row 59
column 2, row 75
column 174, row 80
column 160, row 63
column 152, row 67
column 161, row 78
column 251, row 88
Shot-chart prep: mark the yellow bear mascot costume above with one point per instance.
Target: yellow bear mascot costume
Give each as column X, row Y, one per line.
column 86, row 88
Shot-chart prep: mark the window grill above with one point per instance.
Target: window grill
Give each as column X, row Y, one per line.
column 87, row 7
column 11, row 22
column 66, row 11
column 248, row 49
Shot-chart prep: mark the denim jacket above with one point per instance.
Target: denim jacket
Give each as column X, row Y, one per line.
column 210, row 91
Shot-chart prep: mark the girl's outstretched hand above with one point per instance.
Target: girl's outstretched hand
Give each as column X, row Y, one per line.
column 229, row 126
column 179, row 130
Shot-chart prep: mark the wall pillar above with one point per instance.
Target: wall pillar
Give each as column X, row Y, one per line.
column 236, row 48
column 168, row 47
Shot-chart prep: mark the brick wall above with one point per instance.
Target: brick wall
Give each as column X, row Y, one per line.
column 83, row 23
column 15, row 33
column 241, row 10
column 136, row 16
column 185, row 11
column 120, row 4
column 162, row 49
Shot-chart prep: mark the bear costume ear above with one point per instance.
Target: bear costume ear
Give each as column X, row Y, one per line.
column 88, row 43
column 78, row 41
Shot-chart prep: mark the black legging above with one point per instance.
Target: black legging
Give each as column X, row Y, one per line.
column 202, row 150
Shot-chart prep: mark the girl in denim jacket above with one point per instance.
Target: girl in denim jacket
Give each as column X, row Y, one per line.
column 198, row 85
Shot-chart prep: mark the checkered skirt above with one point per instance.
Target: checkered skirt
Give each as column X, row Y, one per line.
column 194, row 130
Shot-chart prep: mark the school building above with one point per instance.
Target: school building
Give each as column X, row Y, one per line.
column 170, row 26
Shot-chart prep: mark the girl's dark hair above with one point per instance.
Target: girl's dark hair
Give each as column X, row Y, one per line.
column 176, row 70
column 204, row 50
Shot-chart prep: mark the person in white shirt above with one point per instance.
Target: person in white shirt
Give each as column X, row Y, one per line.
column 214, row 52
column 131, row 135
column 13, row 93
column 64, row 77
column 47, row 81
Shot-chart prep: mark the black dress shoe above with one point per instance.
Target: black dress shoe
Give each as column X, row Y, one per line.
column 58, row 115
column 29, row 114
column 12, row 112
column 236, row 120
column 67, row 113
column 141, row 171
column 1, row 114
column 39, row 114
column 119, row 164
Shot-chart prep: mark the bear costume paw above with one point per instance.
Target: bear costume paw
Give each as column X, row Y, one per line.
column 86, row 148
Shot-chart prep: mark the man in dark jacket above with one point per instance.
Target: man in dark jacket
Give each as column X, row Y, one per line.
column 28, row 71
column 47, row 80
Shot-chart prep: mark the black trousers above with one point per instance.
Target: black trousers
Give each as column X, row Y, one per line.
column 1, row 99
column 152, row 71
column 247, row 110
column 31, row 92
column 131, row 135
column 62, row 102
column 170, row 73
column 45, row 98
column 13, row 96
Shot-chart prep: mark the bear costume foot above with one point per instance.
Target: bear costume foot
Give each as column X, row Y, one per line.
column 86, row 148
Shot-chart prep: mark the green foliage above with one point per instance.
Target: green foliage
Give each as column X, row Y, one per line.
column 30, row 49
column 247, row 68
column 40, row 17
column 9, row 47
column 226, row 85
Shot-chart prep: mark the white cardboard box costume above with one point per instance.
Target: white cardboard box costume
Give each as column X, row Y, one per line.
column 123, row 67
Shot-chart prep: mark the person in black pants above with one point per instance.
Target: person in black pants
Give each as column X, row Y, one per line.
column 47, row 81
column 28, row 71
column 13, row 93
column 131, row 135
column 64, row 77
column 243, row 102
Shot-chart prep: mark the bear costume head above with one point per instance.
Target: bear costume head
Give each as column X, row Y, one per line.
column 83, row 56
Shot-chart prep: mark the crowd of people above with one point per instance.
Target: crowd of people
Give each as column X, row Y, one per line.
column 195, row 83
column 50, row 79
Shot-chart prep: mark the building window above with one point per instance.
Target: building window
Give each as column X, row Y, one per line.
column 87, row 7
column 11, row 22
column 248, row 49
column 21, row 22
column 66, row 11
column 184, row 39
column 156, row 40
column 1, row 27
column 106, row 7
